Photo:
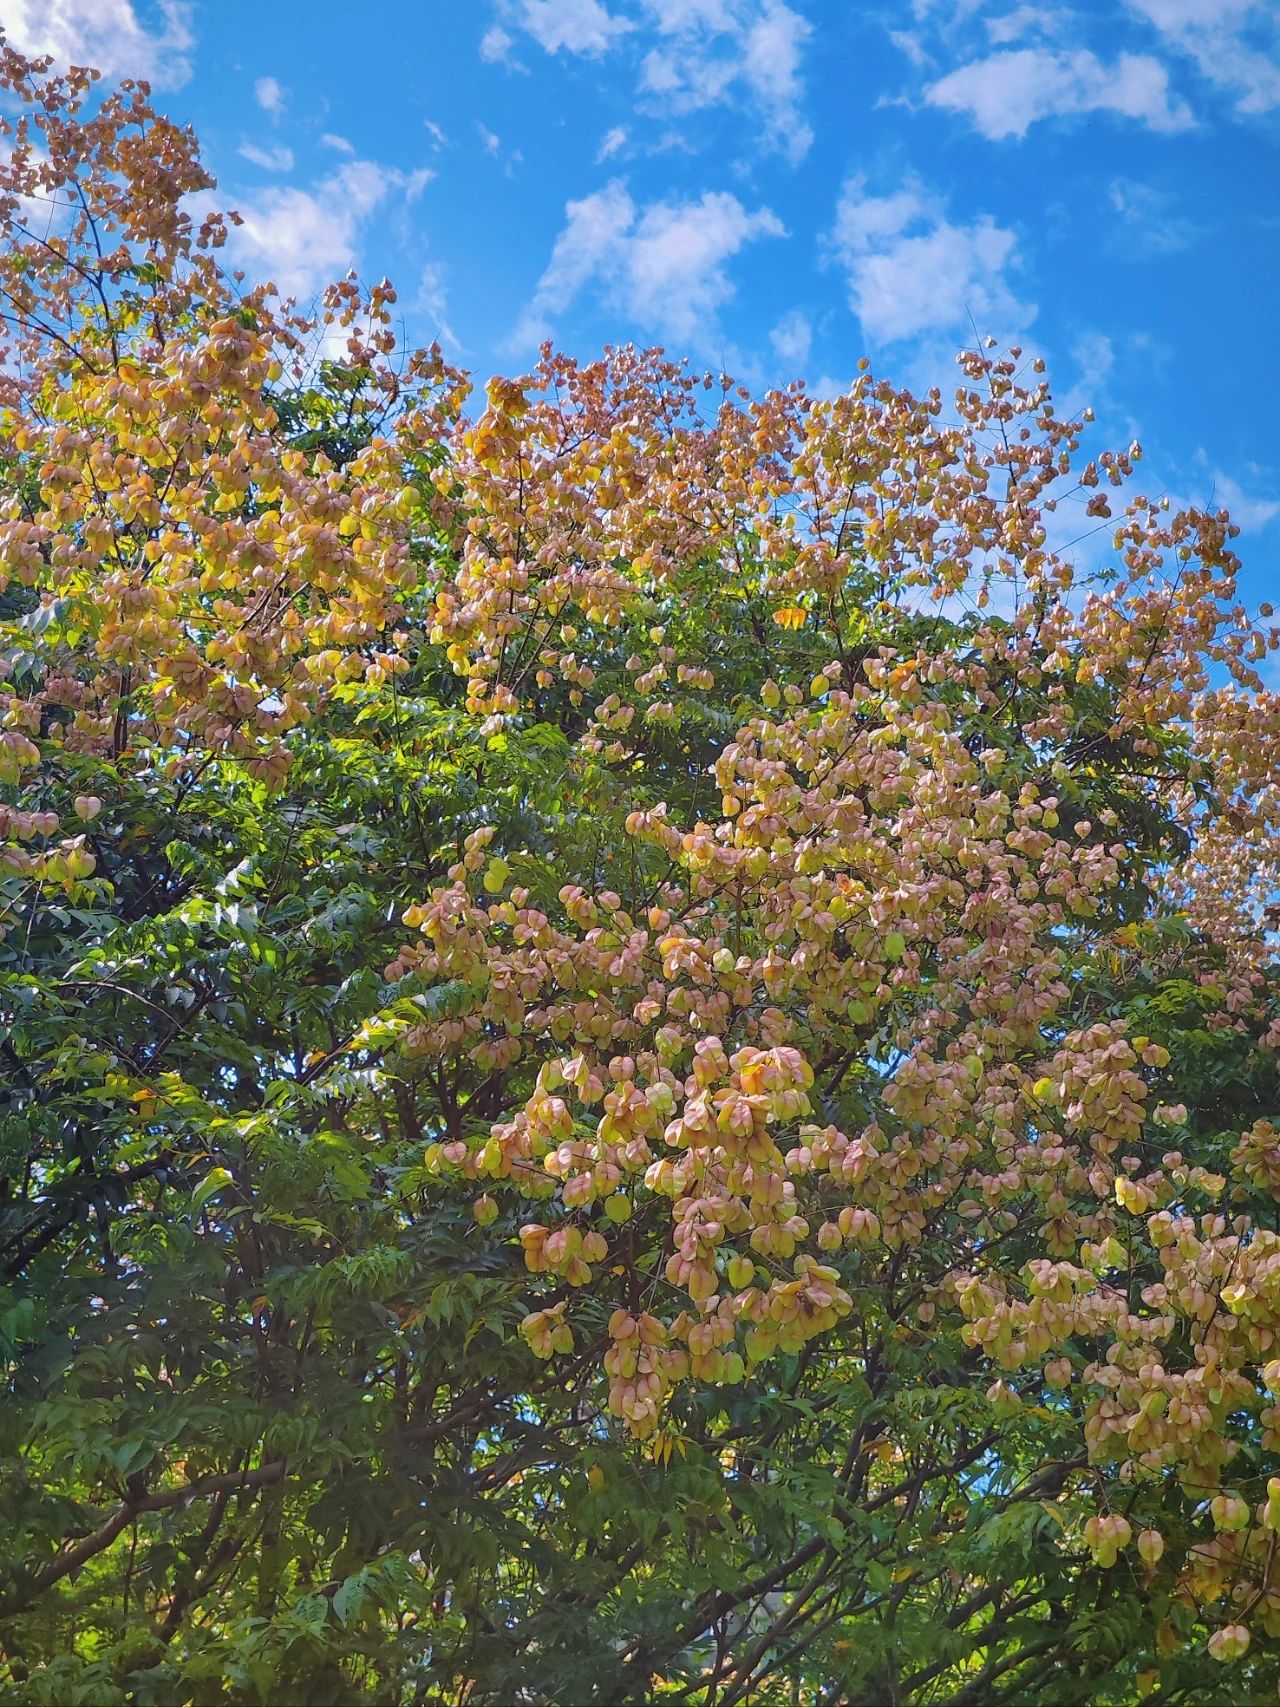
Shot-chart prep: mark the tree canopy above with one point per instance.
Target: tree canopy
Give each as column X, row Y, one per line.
column 637, row 1022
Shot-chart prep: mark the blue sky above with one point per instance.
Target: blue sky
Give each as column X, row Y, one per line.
column 778, row 187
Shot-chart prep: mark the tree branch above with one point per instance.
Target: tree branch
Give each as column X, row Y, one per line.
column 95, row 1542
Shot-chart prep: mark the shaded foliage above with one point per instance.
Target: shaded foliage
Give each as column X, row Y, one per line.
column 638, row 1046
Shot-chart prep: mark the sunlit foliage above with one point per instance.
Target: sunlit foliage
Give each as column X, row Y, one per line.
column 637, row 1023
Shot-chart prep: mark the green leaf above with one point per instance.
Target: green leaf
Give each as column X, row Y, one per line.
column 212, row 1183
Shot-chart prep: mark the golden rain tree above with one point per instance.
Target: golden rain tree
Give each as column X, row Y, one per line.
column 638, row 1034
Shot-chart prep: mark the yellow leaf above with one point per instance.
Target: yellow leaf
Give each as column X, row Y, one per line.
column 791, row 616
column 664, row 1443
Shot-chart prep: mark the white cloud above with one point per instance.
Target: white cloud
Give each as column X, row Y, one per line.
column 1007, row 92
column 1093, row 356
column 592, row 244
column 663, row 269
column 792, row 340
column 339, row 144
column 913, row 272
column 302, row 239
column 1234, row 43
column 1151, row 224
column 489, row 139
column 691, row 54
column 908, row 42
column 1212, row 489
column 673, row 16
column 709, row 49
column 431, row 303
column 1021, row 21
column 270, row 159
column 612, row 141
column 1249, row 510
column 828, row 386
column 771, row 66
column 106, row 34
column 436, row 133
column 270, row 95
column 577, row 26
column 495, row 45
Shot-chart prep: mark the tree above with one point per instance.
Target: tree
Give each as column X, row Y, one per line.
column 639, row 1036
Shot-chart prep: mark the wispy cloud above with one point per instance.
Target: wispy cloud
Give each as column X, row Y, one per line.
column 1150, row 221
column 1054, row 61
column 106, row 34
column 270, row 159
column 1251, row 511
column 270, row 95
column 1093, row 356
column 663, row 268
column 613, row 141
column 912, row 271
column 1022, row 21
column 1235, row 44
column 1005, row 93
column 709, row 51
column 689, row 55
column 432, row 304
column 571, row 26
column 792, row 340
column 496, row 46
column 302, row 239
